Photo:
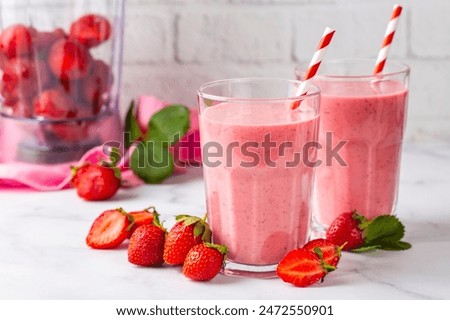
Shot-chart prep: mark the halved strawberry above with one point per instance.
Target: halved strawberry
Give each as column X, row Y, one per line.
column 69, row 60
column 303, row 268
column 143, row 217
column 90, row 30
column 15, row 41
column 331, row 253
column 110, row 229
column 19, row 78
column 54, row 104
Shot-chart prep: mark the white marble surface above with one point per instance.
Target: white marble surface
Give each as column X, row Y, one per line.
column 43, row 254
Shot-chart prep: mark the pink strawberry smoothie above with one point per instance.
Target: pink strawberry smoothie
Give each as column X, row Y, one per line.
column 259, row 212
column 370, row 116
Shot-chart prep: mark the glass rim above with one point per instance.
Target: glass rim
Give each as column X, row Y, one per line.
column 403, row 68
column 313, row 91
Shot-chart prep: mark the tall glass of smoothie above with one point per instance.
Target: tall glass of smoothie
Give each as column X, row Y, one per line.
column 258, row 165
column 363, row 118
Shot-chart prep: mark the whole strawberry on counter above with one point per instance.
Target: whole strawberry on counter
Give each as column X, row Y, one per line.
column 96, row 182
column 355, row 232
column 185, row 234
column 204, row 261
column 146, row 247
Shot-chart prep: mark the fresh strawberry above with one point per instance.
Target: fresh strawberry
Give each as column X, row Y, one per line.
column 185, row 234
column 44, row 40
column 345, row 231
column 90, row 30
column 303, row 268
column 352, row 231
column 110, row 229
column 204, row 261
column 15, row 41
column 69, row 60
column 146, row 245
column 331, row 252
column 143, row 217
column 54, row 104
column 95, row 181
column 96, row 84
column 19, row 78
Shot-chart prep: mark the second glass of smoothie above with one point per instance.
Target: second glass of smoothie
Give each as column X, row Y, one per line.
column 258, row 164
column 366, row 114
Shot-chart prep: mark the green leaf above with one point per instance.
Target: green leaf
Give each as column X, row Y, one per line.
column 199, row 228
column 169, row 124
column 221, row 248
column 187, row 219
column 397, row 246
column 384, row 229
column 151, row 162
column 132, row 130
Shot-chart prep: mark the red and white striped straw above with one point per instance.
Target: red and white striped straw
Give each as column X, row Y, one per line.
column 388, row 37
column 314, row 65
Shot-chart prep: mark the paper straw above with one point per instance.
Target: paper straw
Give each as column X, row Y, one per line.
column 314, row 65
column 388, row 37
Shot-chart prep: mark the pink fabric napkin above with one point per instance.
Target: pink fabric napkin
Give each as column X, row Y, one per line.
column 56, row 177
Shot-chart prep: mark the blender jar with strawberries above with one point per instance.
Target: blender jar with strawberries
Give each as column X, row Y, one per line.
column 60, row 67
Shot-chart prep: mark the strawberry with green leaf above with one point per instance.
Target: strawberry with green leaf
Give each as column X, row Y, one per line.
column 96, row 182
column 354, row 232
column 146, row 245
column 188, row 232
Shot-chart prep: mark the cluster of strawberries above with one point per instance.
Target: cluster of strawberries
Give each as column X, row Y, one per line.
column 350, row 231
column 52, row 75
column 188, row 243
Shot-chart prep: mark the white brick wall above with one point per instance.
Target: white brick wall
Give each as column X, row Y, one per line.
column 174, row 46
